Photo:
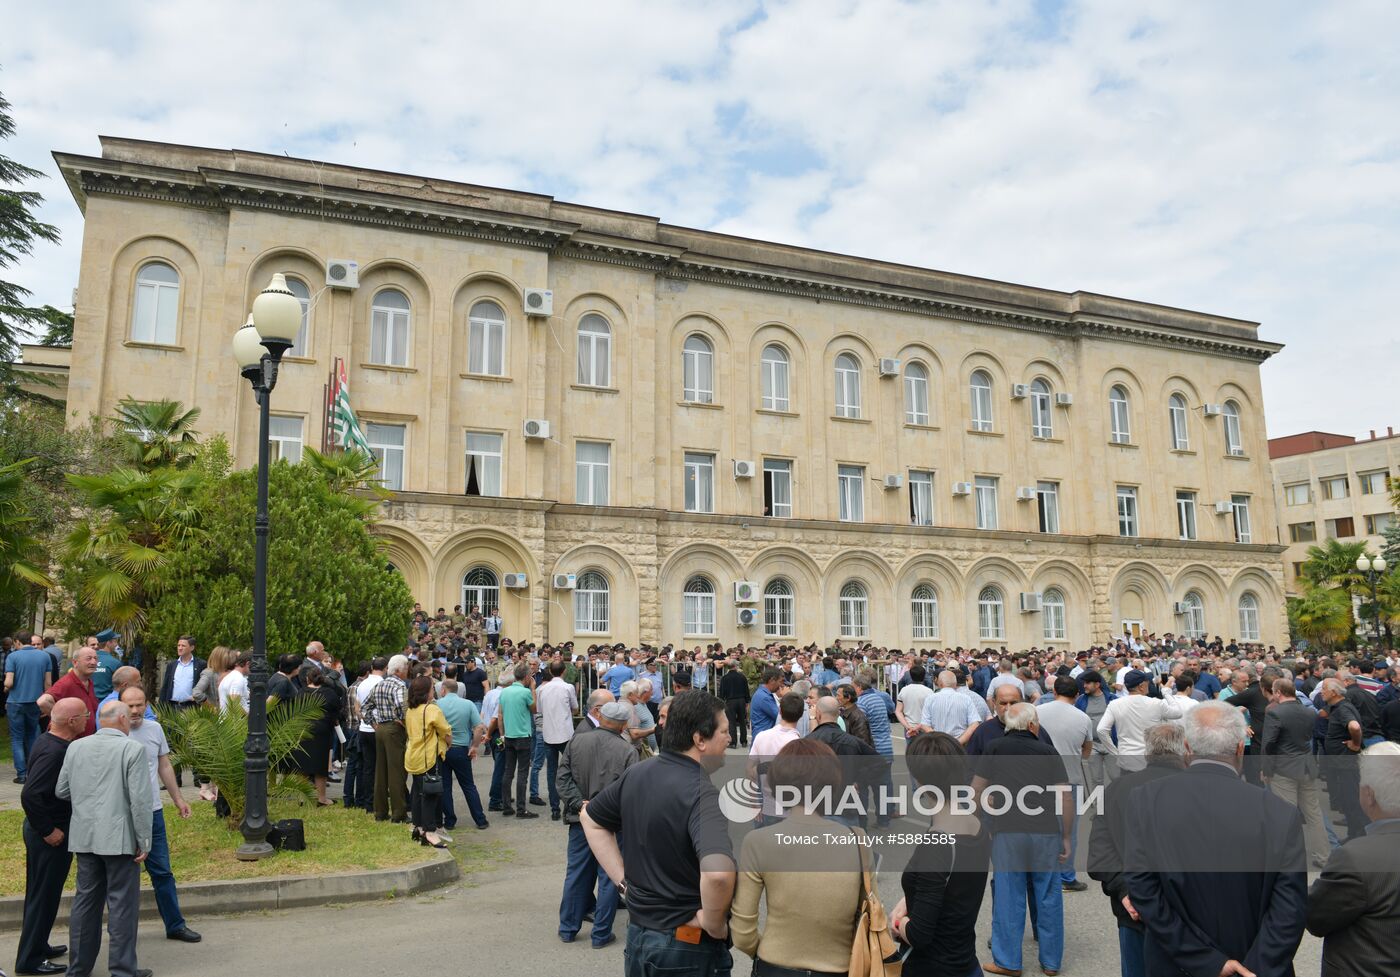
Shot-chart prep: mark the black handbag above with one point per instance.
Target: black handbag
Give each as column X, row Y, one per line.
column 432, row 784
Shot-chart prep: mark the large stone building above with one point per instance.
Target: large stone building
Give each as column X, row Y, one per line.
column 886, row 451
column 1332, row 486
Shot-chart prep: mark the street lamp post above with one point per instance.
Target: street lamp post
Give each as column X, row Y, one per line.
column 259, row 347
column 1372, row 568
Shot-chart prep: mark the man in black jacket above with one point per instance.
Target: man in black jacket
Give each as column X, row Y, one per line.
column 1288, row 766
column 734, row 690
column 177, row 684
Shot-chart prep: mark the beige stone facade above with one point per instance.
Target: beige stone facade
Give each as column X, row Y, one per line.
column 225, row 221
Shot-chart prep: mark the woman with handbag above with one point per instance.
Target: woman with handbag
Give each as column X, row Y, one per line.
column 842, row 896
column 943, row 883
column 429, row 736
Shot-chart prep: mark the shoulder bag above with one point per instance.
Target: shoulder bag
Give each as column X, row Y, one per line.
column 873, row 942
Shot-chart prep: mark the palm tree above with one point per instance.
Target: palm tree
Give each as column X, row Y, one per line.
column 20, row 552
column 156, row 433
column 348, row 471
column 1334, row 564
column 1321, row 615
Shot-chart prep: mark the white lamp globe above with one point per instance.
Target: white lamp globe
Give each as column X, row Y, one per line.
column 277, row 312
column 248, row 349
column 1379, row 564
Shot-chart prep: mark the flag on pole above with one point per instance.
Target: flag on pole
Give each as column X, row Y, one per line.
column 348, row 433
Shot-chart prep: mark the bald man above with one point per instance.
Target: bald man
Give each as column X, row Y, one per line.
column 77, row 684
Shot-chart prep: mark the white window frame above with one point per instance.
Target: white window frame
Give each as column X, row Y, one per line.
column 775, row 376
column 480, row 593
column 980, row 392
column 1120, row 415
column 390, row 329
column 592, row 603
column 923, row 612
column 920, row 498
column 1234, row 437
column 1052, row 615
column 698, row 608
column 1042, row 418
column 991, row 615
column 777, row 487
column 302, row 292
column 854, row 608
column 698, row 370
column 486, row 339
column 848, row 385
column 1186, row 528
column 594, row 351
column 1239, row 515
column 1249, row 616
column 916, row 394
column 1126, row 497
column 1047, row 505
column 592, row 477
column 699, row 482
column 489, row 463
column 779, row 609
column 148, row 324
column 281, row 442
column 984, row 496
column 1179, row 418
column 385, row 451
column 1194, row 617
column 850, row 493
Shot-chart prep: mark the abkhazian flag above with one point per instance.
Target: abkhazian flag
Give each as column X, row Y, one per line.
column 347, row 429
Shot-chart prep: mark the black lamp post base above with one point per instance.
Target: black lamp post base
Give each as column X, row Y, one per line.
column 252, row 851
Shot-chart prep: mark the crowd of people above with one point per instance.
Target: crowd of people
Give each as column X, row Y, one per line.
column 626, row 738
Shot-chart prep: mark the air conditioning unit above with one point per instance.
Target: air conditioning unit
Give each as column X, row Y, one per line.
column 1179, row 607
column 539, row 301
column 746, row 617
column 535, row 429
column 1064, row 400
column 962, row 488
column 565, row 581
column 1026, row 493
column 342, row 273
column 893, row 481
column 514, row 581
column 1030, row 603
column 889, row 366
column 743, row 469
column 1223, row 508
column 1020, row 391
column 1212, row 410
column 745, row 592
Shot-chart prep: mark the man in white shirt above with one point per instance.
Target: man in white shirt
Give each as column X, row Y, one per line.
column 765, row 747
column 910, row 705
column 1131, row 716
column 1072, row 732
column 235, row 683
column 364, row 736
column 1184, row 698
column 949, row 711
column 1006, row 675
column 490, row 708
column 556, row 702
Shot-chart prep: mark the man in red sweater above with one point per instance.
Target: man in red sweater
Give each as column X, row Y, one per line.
column 77, row 684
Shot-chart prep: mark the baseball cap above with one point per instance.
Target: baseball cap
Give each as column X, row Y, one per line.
column 1133, row 679
column 617, row 712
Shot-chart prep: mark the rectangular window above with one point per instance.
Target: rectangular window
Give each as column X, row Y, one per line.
column 1302, row 532
column 1047, row 503
column 985, row 491
column 591, row 472
column 1373, row 483
column 157, row 310
column 1379, row 523
column 699, row 482
column 850, row 489
column 1239, row 507
column 1127, row 511
column 777, row 488
column 920, row 498
column 386, row 443
column 388, row 337
column 284, row 433
column 1343, row 528
column 1186, row 515
column 1299, row 493
column 483, row 463
column 1335, row 487
column 486, row 344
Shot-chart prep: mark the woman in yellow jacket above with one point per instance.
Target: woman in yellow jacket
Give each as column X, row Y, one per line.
column 429, row 736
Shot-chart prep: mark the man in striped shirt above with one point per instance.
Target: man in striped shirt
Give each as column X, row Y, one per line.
column 877, row 707
column 384, row 711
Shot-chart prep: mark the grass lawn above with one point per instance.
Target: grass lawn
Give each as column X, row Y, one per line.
column 201, row 849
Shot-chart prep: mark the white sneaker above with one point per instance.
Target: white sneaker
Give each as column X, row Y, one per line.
column 443, row 836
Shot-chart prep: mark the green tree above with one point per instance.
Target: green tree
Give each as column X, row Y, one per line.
column 152, row 434
column 1333, row 564
column 328, row 577
column 59, row 331
column 1322, row 615
column 20, row 230
column 22, row 572
column 348, row 471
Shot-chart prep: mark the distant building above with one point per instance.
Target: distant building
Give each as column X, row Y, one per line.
column 43, row 370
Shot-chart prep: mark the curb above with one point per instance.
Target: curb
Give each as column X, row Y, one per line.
column 277, row 892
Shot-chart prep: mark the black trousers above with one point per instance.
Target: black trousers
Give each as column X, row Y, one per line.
column 519, row 750
column 364, row 787
column 45, row 870
column 738, row 721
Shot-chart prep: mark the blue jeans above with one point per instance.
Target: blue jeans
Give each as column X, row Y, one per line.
column 652, row 953
column 457, row 762
column 1132, row 962
column 547, row 756
column 1017, row 858
column 580, row 873
column 498, row 772
column 1067, row 868
column 162, row 879
column 24, row 730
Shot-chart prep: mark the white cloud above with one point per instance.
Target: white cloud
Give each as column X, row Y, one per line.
column 1242, row 159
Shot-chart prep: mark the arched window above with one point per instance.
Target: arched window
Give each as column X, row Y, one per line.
column 991, row 615
column 1249, row 617
column 779, row 607
column 915, row 394
column 698, row 370
column 1176, row 410
column 1234, row 442
column 855, row 610
column 156, row 309
column 847, row 386
column 1052, row 614
column 594, row 351
column 1120, row 422
column 923, row 605
column 481, row 588
column 1042, row 425
column 298, row 288
column 1193, row 616
column 388, row 331
column 774, row 370
column 591, row 603
column 486, row 340
column 981, row 388
column 698, row 607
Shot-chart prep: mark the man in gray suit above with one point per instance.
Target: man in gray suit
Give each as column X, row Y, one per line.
column 106, row 778
column 1288, row 766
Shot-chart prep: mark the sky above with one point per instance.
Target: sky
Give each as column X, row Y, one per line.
column 1237, row 158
